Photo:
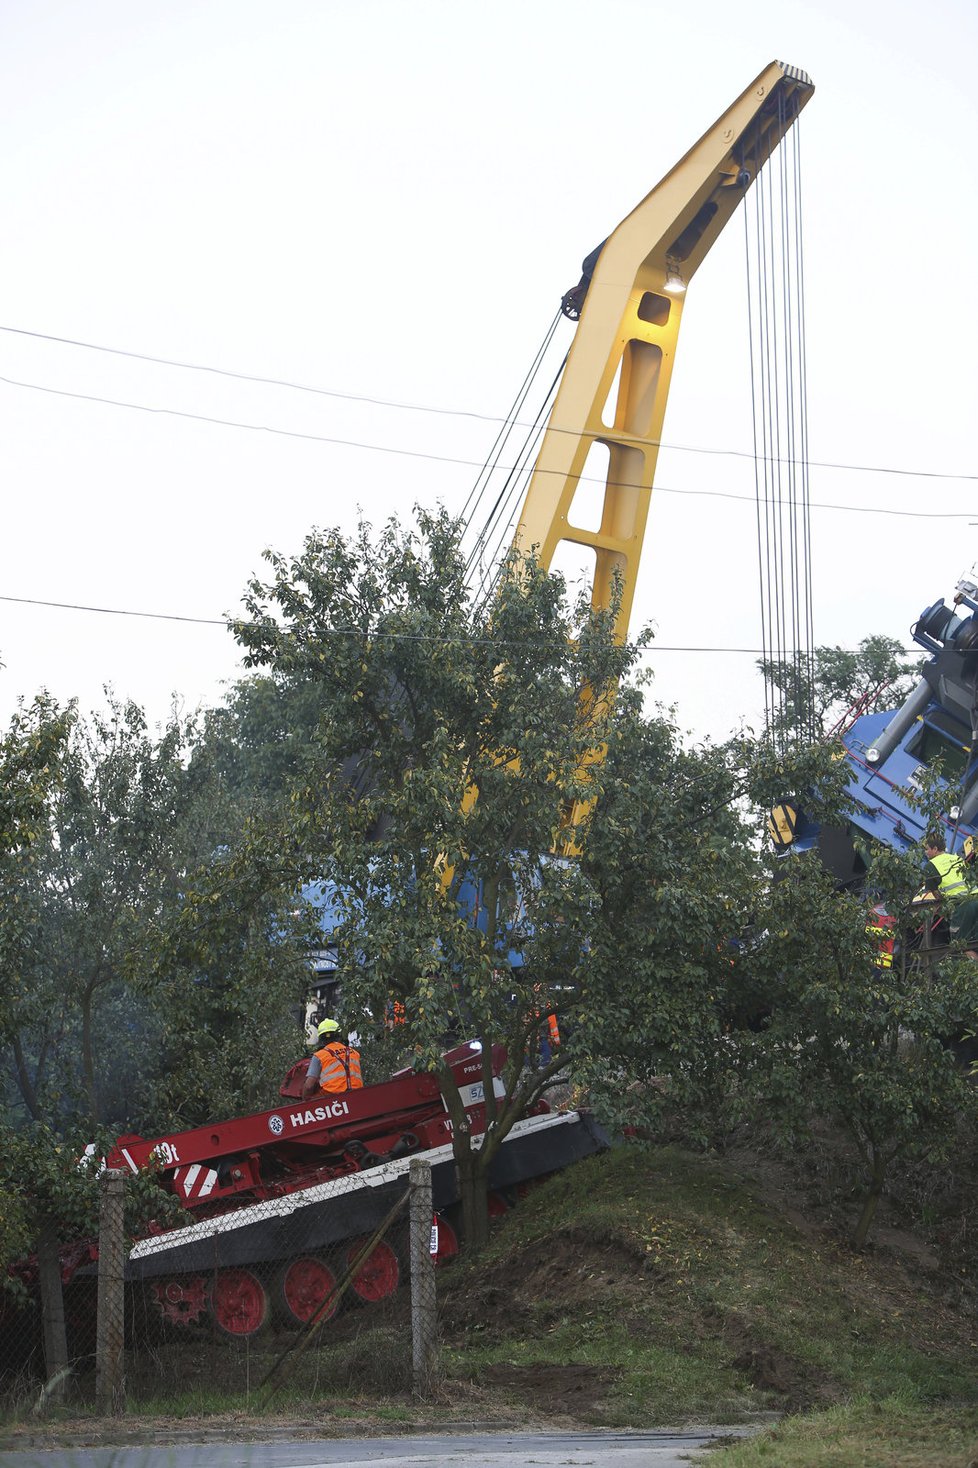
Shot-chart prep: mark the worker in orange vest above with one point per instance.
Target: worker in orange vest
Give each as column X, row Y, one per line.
column 548, row 1041
column 335, row 1066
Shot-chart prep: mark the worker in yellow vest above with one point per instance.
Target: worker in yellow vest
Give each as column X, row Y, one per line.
column 948, row 882
column 334, row 1067
column 944, row 873
column 964, row 918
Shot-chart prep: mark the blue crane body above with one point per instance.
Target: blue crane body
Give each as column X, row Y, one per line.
column 893, row 754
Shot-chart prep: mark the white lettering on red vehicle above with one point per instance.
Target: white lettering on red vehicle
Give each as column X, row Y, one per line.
column 319, row 1113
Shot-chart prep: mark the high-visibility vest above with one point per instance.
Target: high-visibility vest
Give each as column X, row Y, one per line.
column 883, row 929
column 340, row 1068
column 953, row 872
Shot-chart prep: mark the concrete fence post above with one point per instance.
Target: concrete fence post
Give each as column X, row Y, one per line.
column 424, row 1314
column 110, row 1328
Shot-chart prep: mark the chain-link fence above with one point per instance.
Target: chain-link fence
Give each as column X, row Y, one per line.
column 326, row 1288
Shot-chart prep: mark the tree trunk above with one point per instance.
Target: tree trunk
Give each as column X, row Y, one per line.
column 871, row 1202
column 27, row 1089
column 88, row 1052
column 52, row 1310
column 474, row 1189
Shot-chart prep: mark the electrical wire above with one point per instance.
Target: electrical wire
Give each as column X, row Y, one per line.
column 479, row 464
column 482, row 562
column 762, row 600
column 70, row 606
column 236, row 423
column 679, row 448
column 376, row 636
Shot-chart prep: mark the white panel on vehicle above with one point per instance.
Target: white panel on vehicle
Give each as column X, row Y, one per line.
column 474, row 1095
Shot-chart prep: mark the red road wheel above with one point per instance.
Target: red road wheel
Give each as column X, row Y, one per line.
column 179, row 1301
column 496, row 1205
column 378, row 1276
column 447, row 1241
column 239, row 1303
column 301, row 1286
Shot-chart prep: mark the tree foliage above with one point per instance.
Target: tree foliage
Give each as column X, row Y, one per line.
column 675, row 871
column 134, row 966
column 137, row 990
column 31, row 758
column 851, row 1034
column 259, row 740
column 54, row 1175
column 418, row 754
column 452, row 742
column 815, row 696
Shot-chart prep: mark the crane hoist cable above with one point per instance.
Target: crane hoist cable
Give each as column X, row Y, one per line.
column 484, row 564
column 488, row 537
column 508, row 425
column 776, row 311
column 502, row 520
column 484, row 561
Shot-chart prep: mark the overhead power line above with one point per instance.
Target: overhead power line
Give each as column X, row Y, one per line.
column 472, row 463
column 322, row 392
column 349, row 397
column 68, row 606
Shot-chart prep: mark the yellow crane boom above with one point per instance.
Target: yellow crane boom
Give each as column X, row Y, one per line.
column 629, row 323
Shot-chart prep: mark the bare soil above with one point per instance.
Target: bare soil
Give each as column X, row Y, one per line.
column 568, row 1276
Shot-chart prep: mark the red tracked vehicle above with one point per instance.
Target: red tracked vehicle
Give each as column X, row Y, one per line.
column 279, row 1202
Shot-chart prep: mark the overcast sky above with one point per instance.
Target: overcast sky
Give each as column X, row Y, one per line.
column 386, row 199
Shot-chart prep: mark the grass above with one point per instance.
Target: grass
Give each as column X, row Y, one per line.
column 638, row 1382
column 697, row 1298
column 879, row 1433
column 643, row 1287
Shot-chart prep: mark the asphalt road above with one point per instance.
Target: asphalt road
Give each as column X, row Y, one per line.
column 663, row 1449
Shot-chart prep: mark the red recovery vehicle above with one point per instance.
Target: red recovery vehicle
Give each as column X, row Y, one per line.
column 280, row 1202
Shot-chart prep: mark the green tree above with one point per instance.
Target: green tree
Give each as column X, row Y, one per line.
column 49, row 1197
column 102, row 861
column 143, row 988
column 224, row 974
column 259, row 739
column 811, row 697
column 31, row 758
column 141, row 962
column 672, row 860
column 853, row 1037
column 427, row 702
column 30, row 761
